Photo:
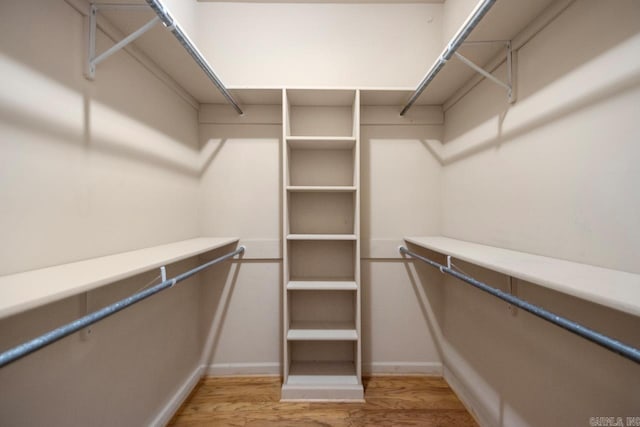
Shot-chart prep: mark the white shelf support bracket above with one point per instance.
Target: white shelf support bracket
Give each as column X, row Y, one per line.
column 92, row 59
column 508, row 85
column 163, row 274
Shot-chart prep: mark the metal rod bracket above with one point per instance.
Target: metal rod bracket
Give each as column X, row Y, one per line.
column 508, row 85
column 94, row 59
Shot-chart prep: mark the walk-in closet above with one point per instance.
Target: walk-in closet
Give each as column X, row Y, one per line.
column 320, row 213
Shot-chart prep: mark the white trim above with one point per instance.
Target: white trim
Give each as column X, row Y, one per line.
column 172, row 406
column 375, row 368
column 226, row 369
column 403, row 368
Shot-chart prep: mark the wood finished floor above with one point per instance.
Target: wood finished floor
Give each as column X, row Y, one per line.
column 390, row 401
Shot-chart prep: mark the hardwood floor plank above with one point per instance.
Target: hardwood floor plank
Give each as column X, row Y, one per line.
column 389, row 401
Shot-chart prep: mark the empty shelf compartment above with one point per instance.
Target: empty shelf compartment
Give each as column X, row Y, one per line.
column 322, row 213
column 321, row 259
column 321, row 112
column 321, row 167
column 322, row 309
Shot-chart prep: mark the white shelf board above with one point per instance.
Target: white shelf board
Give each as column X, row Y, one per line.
column 23, row 291
column 322, row 373
column 321, row 237
column 504, row 21
column 321, row 188
column 322, row 285
column 322, row 331
column 321, row 142
column 619, row 290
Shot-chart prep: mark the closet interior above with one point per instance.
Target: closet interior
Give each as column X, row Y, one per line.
column 321, row 192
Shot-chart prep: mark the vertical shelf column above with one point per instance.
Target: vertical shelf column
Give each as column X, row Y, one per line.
column 321, row 245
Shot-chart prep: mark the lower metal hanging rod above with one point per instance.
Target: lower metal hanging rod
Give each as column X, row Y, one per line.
column 50, row 337
column 609, row 343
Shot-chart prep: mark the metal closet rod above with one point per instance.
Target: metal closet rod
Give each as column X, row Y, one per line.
column 609, row 343
column 449, row 50
column 184, row 40
column 50, row 337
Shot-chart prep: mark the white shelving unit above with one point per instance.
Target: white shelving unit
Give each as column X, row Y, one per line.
column 322, row 348
column 24, row 291
column 619, row 290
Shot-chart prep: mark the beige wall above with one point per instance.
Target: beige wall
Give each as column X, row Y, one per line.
column 310, row 44
column 562, row 158
column 86, row 168
column 90, row 169
column 554, row 174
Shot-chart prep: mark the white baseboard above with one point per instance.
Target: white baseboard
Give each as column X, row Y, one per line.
column 165, row 415
column 224, row 369
column 376, row 368
column 403, row 368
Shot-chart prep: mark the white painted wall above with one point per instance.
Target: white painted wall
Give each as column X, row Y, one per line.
column 554, row 174
column 89, row 169
column 240, row 188
column 315, row 45
column 86, row 168
column 562, row 158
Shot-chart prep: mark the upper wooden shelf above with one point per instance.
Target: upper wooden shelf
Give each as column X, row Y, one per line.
column 23, row 291
column 164, row 50
column 612, row 288
column 504, row 21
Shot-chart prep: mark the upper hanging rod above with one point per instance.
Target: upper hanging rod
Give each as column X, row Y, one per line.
column 609, row 343
column 184, row 40
column 50, row 337
column 457, row 40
